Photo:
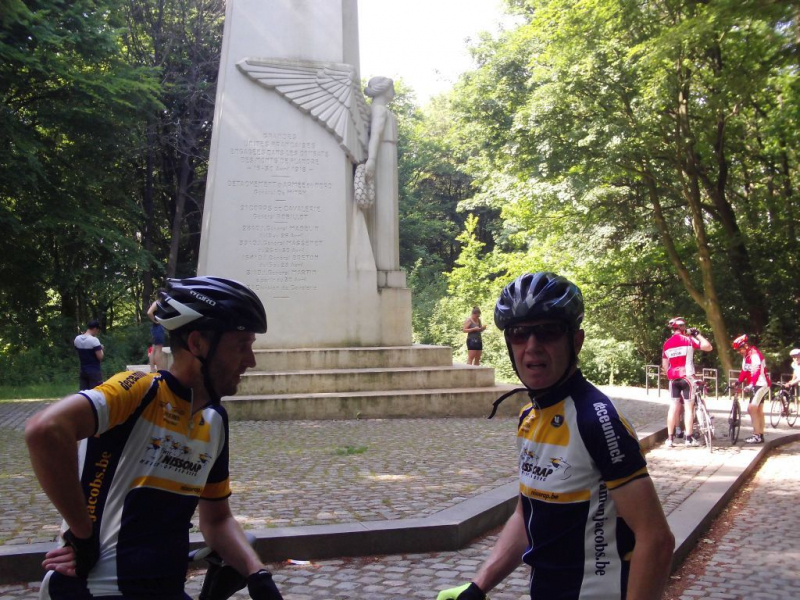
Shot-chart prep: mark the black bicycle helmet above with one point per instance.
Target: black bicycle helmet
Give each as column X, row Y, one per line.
column 542, row 295
column 210, row 304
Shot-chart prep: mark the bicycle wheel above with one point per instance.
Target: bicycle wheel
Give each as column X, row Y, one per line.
column 775, row 410
column 792, row 410
column 734, row 422
column 705, row 426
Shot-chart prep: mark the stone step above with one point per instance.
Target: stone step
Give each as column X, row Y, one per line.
column 308, row 359
column 363, row 380
column 455, row 402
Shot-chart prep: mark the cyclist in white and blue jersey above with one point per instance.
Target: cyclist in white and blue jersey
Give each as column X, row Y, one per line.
column 153, row 448
column 588, row 520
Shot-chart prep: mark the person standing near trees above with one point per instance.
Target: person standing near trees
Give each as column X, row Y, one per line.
column 153, row 447
column 158, row 337
column 677, row 360
column 795, row 356
column 588, row 520
column 756, row 380
column 473, row 328
column 90, row 353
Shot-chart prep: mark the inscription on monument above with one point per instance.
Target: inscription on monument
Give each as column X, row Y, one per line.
column 281, row 205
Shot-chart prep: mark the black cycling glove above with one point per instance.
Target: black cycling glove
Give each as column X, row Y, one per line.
column 694, row 331
column 87, row 552
column 261, row 586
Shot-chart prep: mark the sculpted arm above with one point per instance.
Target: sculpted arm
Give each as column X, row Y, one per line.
column 377, row 125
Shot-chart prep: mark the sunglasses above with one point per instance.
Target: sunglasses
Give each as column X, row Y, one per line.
column 544, row 333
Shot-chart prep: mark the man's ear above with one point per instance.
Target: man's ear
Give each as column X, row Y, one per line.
column 580, row 335
column 197, row 343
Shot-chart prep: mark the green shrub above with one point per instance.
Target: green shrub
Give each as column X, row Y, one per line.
column 51, row 364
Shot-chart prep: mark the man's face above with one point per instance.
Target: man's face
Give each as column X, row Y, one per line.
column 743, row 350
column 233, row 357
column 542, row 360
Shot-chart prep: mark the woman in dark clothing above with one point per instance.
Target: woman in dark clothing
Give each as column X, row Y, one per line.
column 473, row 328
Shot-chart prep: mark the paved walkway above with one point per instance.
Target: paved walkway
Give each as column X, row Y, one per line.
column 301, row 473
column 758, row 557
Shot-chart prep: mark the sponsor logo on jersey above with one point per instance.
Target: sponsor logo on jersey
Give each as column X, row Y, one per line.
column 558, row 421
column 599, row 521
column 559, row 464
column 531, row 469
column 611, row 437
column 169, row 453
column 128, row 382
column 96, row 485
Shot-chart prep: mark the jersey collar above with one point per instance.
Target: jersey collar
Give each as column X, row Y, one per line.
column 556, row 395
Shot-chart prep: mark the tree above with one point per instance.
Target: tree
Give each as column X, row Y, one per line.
column 664, row 112
column 68, row 108
column 182, row 41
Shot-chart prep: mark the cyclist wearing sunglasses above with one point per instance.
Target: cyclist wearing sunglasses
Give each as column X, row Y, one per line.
column 588, row 520
column 677, row 360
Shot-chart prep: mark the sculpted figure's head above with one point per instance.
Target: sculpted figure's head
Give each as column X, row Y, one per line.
column 380, row 86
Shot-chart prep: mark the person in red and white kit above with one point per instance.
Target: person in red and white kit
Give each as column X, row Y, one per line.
column 677, row 360
column 756, row 379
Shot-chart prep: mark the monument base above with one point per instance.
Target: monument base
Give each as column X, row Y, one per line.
column 352, row 383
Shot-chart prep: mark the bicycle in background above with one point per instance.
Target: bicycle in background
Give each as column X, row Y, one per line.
column 735, row 414
column 784, row 405
column 703, row 421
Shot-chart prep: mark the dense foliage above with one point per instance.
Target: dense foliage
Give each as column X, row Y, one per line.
column 105, row 110
column 648, row 149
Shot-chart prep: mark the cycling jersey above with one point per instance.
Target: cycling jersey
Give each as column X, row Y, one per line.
column 143, row 473
column 754, row 369
column 679, row 351
column 575, row 446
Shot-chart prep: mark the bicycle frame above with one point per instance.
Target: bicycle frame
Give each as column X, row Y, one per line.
column 704, row 423
column 735, row 415
column 784, row 405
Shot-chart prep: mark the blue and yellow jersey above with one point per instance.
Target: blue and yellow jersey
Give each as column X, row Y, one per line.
column 575, row 446
column 143, row 473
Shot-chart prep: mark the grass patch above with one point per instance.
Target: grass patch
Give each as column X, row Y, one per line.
column 37, row 391
column 348, row 450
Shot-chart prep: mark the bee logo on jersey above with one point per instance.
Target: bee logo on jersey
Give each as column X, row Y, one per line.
column 531, row 469
column 559, row 464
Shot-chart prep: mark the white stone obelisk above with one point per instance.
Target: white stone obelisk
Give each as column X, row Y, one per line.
column 279, row 211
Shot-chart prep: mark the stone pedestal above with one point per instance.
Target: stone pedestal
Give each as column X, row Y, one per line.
column 279, row 212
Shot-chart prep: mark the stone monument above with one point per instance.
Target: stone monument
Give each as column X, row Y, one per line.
column 293, row 137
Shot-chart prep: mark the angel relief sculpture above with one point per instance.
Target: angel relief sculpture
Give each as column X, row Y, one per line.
column 330, row 93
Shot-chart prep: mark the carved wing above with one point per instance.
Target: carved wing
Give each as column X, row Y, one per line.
column 328, row 92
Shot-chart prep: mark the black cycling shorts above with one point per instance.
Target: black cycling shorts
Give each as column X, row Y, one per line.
column 680, row 389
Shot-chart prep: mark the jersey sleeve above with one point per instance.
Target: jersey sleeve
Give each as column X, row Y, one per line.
column 612, row 443
column 117, row 398
column 218, row 484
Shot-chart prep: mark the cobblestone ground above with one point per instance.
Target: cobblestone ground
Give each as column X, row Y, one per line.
column 758, row 556
column 300, row 473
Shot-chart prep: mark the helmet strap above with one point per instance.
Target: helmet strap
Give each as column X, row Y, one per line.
column 204, row 362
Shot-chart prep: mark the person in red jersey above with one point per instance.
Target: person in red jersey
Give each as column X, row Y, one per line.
column 677, row 360
column 756, row 380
